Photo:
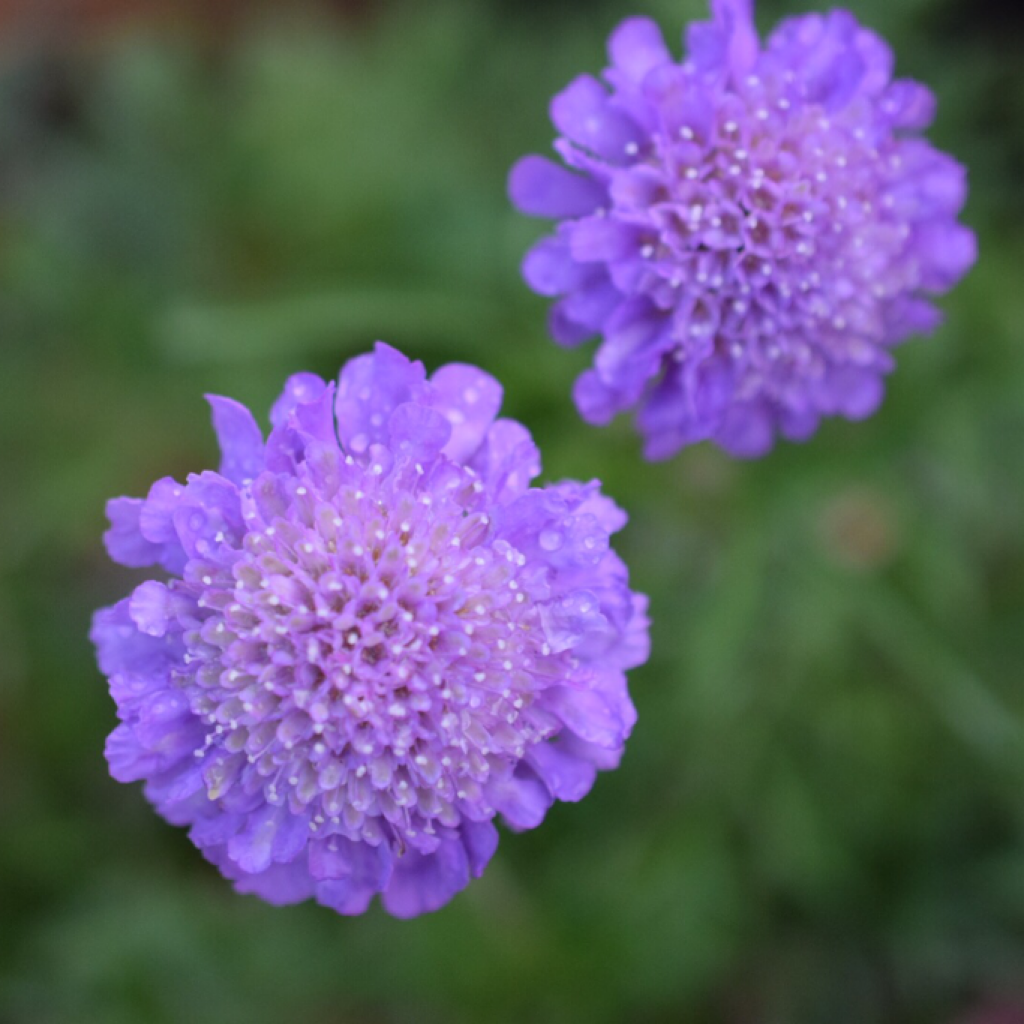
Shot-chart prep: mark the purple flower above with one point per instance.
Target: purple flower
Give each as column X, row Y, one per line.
column 376, row 637
column 750, row 231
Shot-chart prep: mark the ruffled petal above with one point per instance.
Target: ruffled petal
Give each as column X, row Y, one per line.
column 909, row 105
column 931, row 184
column 278, row 884
column 855, row 393
column 591, row 306
column 122, row 649
column 541, row 188
column 636, row 340
column 574, row 620
column 253, row 849
column 424, row 883
column 521, row 799
column 507, row 460
column 469, row 399
column 565, row 329
column 370, row 388
column 128, row 759
column 736, row 19
column 599, row 402
column 481, row 840
column 240, row 439
column 566, row 776
column 745, row 430
column 822, row 51
column 216, row 829
column 348, row 874
column 209, row 515
column 602, row 240
column 152, row 608
column 636, row 47
column 299, row 389
column 549, row 269
column 345, row 896
column 592, row 715
column 124, row 540
column 417, row 431
column 948, row 251
column 307, row 424
column 907, row 315
column 582, row 113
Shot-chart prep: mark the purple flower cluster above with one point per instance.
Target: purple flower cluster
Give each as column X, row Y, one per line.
column 376, row 637
column 750, row 231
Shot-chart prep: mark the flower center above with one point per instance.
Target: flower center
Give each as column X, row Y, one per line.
column 370, row 653
column 767, row 229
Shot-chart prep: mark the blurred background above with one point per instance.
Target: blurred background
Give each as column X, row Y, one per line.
column 820, row 817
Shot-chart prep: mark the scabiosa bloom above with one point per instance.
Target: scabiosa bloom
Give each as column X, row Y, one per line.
column 376, row 637
column 750, row 231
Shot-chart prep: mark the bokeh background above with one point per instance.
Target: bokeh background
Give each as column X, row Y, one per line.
column 820, row 817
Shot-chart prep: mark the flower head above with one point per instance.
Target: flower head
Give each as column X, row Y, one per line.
column 750, row 231
column 376, row 637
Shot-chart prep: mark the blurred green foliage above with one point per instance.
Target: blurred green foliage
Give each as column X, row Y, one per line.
column 820, row 817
